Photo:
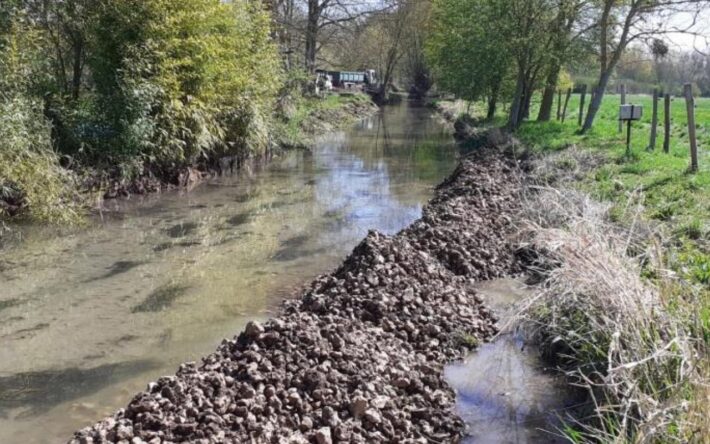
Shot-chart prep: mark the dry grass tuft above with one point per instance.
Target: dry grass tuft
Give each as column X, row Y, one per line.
column 628, row 343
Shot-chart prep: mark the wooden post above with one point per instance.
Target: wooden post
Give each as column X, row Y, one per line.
column 654, row 121
column 666, row 123
column 559, row 104
column 690, row 106
column 564, row 110
column 581, row 104
column 623, row 102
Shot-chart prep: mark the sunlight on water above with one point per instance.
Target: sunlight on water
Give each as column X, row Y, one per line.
column 88, row 317
column 504, row 394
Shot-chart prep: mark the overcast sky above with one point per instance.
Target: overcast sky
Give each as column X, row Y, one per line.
column 689, row 42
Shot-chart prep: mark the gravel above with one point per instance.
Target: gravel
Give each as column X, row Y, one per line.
column 359, row 358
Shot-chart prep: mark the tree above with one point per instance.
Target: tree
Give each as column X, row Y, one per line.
column 568, row 26
column 467, row 54
column 65, row 24
column 325, row 14
column 415, row 68
column 527, row 24
column 180, row 79
column 621, row 23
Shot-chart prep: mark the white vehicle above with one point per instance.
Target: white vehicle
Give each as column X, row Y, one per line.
column 325, row 82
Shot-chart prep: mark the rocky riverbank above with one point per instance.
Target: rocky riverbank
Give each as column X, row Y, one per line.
column 359, row 357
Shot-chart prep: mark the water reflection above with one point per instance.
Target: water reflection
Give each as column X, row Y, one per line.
column 161, row 279
column 504, row 393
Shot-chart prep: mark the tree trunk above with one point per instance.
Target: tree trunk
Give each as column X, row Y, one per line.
column 517, row 104
column 527, row 99
column 78, row 68
column 595, row 104
column 312, row 36
column 493, row 101
column 548, row 96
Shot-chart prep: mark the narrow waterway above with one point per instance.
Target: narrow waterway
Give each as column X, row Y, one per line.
column 504, row 392
column 89, row 316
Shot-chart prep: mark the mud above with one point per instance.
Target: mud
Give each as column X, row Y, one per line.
column 359, row 357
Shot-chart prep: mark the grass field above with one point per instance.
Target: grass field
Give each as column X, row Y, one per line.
column 677, row 199
column 674, row 200
column 669, row 192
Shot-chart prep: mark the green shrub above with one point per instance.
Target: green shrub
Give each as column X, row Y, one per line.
column 197, row 79
column 32, row 183
column 31, row 180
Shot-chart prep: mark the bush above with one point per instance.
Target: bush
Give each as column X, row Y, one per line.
column 31, row 180
column 32, row 183
column 197, row 79
column 166, row 84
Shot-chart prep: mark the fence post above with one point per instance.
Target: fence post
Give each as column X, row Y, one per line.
column 666, row 123
column 654, row 121
column 581, row 104
column 564, row 111
column 690, row 106
column 559, row 103
column 623, row 102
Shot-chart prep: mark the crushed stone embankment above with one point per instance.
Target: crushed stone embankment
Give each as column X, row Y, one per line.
column 359, row 358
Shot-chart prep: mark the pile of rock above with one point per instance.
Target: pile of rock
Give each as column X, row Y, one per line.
column 359, row 358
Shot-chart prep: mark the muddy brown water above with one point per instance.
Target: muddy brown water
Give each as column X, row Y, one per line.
column 89, row 316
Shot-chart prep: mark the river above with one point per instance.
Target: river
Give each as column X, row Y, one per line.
column 89, row 316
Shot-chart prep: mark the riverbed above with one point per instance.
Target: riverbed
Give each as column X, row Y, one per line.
column 88, row 316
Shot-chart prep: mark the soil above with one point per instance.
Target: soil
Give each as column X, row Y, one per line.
column 359, row 357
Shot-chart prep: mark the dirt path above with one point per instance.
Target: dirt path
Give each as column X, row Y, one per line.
column 359, row 358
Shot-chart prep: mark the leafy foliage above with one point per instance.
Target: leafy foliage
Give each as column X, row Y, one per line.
column 137, row 87
column 31, row 180
column 197, row 78
column 464, row 47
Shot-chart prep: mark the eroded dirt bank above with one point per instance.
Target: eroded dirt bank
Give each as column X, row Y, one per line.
column 359, row 357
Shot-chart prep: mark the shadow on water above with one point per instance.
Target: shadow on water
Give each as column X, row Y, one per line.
column 27, row 332
column 160, row 299
column 40, row 391
column 9, row 303
column 239, row 219
column 293, row 248
column 119, row 267
column 168, row 245
column 181, row 230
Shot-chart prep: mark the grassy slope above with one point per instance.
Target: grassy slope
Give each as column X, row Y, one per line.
column 672, row 198
column 676, row 199
column 308, row 109
column 671, row 195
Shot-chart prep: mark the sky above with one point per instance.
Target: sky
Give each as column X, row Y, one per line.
column 689, row 42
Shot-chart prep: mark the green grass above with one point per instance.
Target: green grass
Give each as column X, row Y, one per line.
column 306, row 108
column 671, row 194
